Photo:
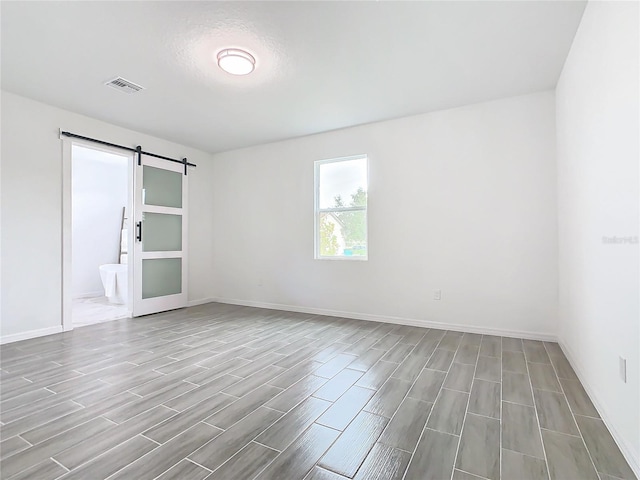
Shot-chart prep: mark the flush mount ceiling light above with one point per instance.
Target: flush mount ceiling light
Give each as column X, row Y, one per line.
column 236, row 61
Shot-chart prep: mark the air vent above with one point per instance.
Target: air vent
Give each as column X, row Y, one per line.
column 123, row 85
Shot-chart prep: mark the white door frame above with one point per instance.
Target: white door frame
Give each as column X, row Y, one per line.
column 67, row 191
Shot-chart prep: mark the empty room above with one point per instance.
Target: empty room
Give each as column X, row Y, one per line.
column 320, row 240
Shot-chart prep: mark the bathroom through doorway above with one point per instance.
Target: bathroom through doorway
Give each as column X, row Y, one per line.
column 101, row 200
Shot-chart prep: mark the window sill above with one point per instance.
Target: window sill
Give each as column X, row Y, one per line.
column 345, row 258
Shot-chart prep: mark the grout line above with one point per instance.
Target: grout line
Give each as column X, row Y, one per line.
column 425, row 428
column 157, row 443
column 564, row 396
column 466, row 410
column 473, row 474
column 254, row 440
column 192, row 461
column 109, row 420
column 535, row 409
column 271, row 448
column 560, row 433
column 521, row 404
column 399, row 404
column 57, row 462
column 523, row 454
column 501, row 387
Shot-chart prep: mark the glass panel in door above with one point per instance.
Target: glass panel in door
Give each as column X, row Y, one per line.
column 162, row 232
column 161, row 277
column 161, row 187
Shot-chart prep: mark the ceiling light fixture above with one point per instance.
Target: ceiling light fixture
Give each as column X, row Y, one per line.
column 236, row 61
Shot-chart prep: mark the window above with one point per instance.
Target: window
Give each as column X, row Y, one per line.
column 341, row 208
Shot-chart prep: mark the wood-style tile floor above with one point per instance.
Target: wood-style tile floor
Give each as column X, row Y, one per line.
column 234, row 393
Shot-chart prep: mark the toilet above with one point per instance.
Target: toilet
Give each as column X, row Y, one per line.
column 115, row 280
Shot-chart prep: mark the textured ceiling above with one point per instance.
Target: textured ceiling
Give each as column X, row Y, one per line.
column 320, row 65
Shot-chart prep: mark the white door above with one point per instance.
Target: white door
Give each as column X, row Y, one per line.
column 160, row 233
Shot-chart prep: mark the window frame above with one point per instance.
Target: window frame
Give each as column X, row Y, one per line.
column 318, row 211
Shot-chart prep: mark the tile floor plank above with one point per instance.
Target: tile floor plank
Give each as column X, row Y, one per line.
column 520, row 430
column 460, row 475
column 169, row 454
column 47, row 470
column 554, row 413
column 441, row 360
column 406, row 426
column 606, row 456
column 185, row 470
column 491, row 346
column 377, row 375
column 291, row 425
column 74, row 457
column 434, row 456
column 567, row 457
column 535, row 352
column 543, row 377
column 516, row 388
column 240, row 408
column 467, row 354
column 427, row 386
column 523, row 467
column 514, row 362
column 579, row 401
column 384, row 463
column 232, row 440
column 448, row 413
column 321, row 474
column 386, row 401
column 340, row 414
column 479, row 451
column 297, row 392
column 460, row 377
column 512, row 344
column 349, row 451
column 39, row 453
column 485, row 398
column 334, row 388
column 247, row 463
column 10, row 446
column 178, row 423
column 301, row 456
column 488, row 368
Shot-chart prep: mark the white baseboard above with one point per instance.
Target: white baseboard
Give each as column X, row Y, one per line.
column 548, row 337
column 202, row 301
column 623, row 445
column 16, row 337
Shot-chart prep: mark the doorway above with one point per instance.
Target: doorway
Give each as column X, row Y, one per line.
column 100, row 226
column 144, row 267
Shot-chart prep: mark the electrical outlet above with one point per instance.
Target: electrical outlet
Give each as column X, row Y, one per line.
column 623, row 369
column 437, row 295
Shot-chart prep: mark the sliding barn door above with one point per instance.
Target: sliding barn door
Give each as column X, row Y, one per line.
column 160, row 232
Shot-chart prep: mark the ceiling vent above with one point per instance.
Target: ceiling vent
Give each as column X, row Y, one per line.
column 123, row 85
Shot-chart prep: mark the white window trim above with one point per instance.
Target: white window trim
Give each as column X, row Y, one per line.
column 318, row 210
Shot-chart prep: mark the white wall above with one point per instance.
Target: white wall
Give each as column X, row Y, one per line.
column 462, row 200
column 31, row 199
column 100, row 183
column 597, row 133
